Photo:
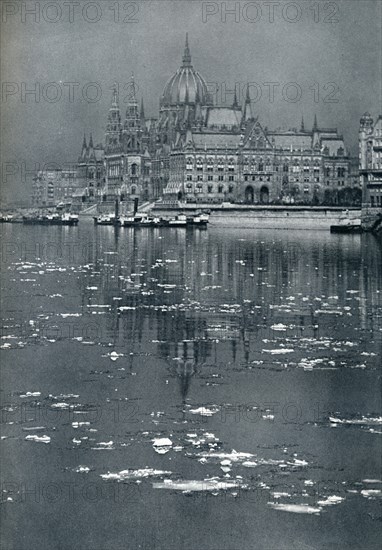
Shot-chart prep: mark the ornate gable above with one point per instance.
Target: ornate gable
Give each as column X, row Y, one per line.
column 256, row 138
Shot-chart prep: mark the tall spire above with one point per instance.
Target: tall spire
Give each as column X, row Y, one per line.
column 142, row 113
column 114, row 127
column 132, row 97
column 91, row 141
column 315, row 125
column 247, row 98
column 235, row 104
column 115, row 101
column 84, row 150
column 302, row 124
column 247, row 110
column 186, row 55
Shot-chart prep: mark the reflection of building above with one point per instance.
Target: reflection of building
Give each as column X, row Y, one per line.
column 370, row 160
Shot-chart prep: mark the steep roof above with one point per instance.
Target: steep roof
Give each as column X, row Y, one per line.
column 223, row 116
column 286, row 140
column 203, row 140
column 333, row 145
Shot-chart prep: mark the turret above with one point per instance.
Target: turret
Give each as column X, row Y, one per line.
column 133, row 121
column 247, row 112
column 91, row 149
column 142, row 112
column 84, row 150
column 365, row 131
column 235, row 104
column 114, row 126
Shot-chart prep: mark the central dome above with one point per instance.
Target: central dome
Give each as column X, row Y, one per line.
column 186, row 85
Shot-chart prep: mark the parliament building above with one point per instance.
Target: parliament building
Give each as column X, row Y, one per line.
column 198, row 152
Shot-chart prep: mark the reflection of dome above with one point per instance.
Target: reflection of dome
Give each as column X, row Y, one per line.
column 186, row 85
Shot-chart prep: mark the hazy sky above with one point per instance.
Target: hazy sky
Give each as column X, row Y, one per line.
column 333, row 53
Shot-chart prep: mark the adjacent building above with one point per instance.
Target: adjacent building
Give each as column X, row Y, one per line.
column 52, row 188
column 370, row 161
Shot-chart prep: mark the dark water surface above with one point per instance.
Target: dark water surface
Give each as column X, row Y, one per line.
column 190, row 390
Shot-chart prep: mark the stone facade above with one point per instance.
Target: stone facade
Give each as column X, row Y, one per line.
column 52, row 188
column 199, row 152
column 370, row 161
column 249, row 164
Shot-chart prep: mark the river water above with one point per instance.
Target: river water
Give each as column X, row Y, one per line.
column 190, row 390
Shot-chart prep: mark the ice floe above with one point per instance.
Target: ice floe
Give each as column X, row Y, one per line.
column 162, row 445
column 204, row 411
column 38, row 438
column 124, row 475
column 30, row 394
column 295, row 508
column 193, row 485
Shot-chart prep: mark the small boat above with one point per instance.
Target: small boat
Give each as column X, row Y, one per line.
column 106, row 219
column 178, row 221
column 143, row 220
column 69, row 219
column 51, row 219
column 347, row 226
column 200, row 220
column 9, row 218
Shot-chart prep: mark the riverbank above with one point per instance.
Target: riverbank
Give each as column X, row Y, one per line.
column 267, row 217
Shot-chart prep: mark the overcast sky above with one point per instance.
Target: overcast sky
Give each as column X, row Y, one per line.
column 325, row 55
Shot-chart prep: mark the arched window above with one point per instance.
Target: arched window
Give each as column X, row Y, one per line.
column 133, row 190
column 134, row 169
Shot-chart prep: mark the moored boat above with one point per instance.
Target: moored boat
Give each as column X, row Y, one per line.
column 51, row 219
column 199, row 220
column 179, row 221
column 106, row 219
column 347, row 225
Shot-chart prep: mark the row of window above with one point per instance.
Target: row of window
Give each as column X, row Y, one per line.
column 376, row 201
column 209, row 178
column 210, row 188
column 254, row 178
column 306, row 179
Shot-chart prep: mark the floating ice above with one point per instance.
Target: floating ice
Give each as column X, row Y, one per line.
column 234, row 456
column 203, row 411
column 114, row 355
column 363, row 421
column 38, row 438
column 331, row 500
column 133, row 474
column 65, row 315
column 193, row 485
column 82, row 469
column 295, row 508
column 278, row 351
column 30, row 394
column 371, row 493
column 162, row 445
column 76, row 425
column 279, row 326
